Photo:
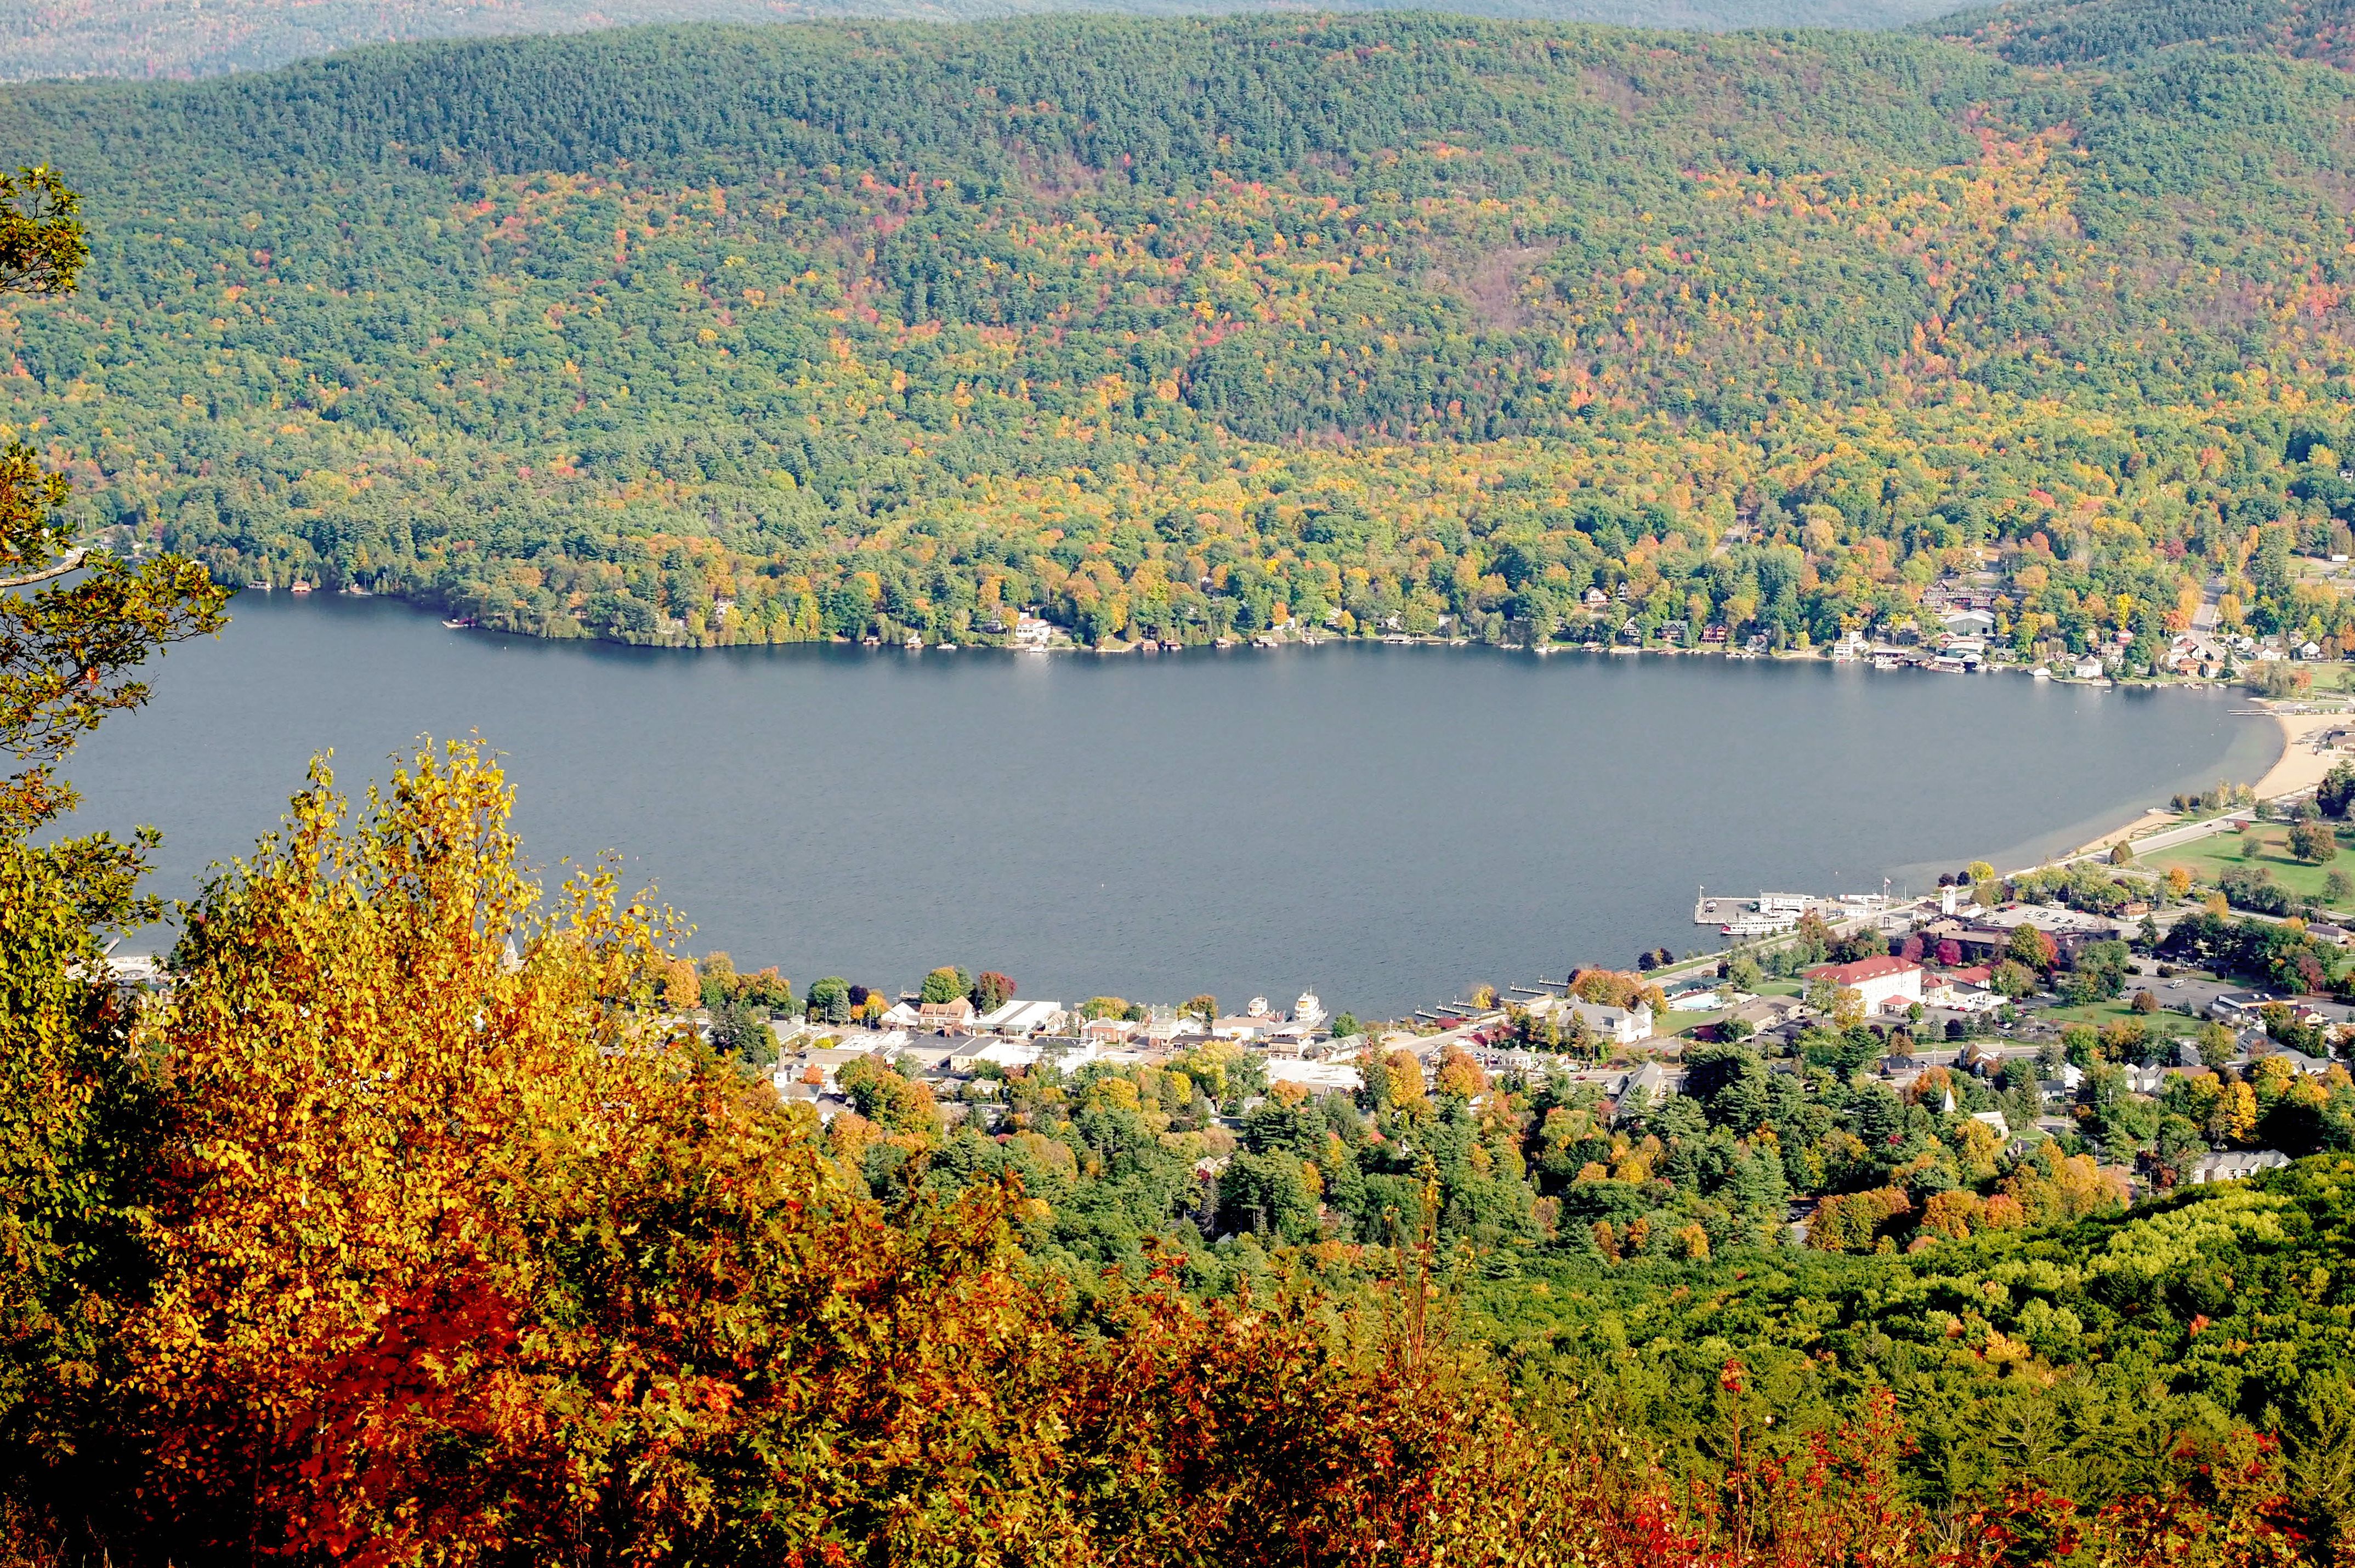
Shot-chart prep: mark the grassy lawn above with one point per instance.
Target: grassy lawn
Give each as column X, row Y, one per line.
column 2101, row 1015
column 2208, row 858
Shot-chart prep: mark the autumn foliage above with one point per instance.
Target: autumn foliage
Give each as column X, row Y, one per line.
column 433, row 1244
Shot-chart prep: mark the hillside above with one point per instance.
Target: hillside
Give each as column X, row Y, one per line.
column 1182, row 329
column 177, row 39
column 2084, row 32
column 2080, row 1352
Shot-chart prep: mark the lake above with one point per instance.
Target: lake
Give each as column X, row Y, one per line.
column 1386, row 826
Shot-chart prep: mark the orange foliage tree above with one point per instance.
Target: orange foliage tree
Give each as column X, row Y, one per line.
column 447, row 1252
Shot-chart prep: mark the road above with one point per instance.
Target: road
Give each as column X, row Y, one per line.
column 2165, row 838
column 2204, row 618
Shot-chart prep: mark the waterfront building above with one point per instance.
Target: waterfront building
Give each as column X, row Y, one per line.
column 1021, row 1019
column 939, row 1018
column 1885, row 983
column 1620, row 1026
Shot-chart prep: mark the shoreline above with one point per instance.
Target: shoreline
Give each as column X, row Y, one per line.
column 2295, row 769
column 2149, row 817
column 1241, row 642
column 2300, row 766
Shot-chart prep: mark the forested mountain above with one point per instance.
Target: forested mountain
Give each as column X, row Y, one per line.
column 1189, row 327
column 181, row 38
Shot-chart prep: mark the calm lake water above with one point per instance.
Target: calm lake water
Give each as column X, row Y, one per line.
column 1386, row 826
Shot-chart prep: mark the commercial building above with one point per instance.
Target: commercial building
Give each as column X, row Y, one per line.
column 1887, row 984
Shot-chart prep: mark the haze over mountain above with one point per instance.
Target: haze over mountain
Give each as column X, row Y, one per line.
column 175, row 39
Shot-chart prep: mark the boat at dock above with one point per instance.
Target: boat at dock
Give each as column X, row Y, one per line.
column 1763, row 915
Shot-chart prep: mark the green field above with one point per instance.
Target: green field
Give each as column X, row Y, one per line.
column 2101, row 1015
column 2208, row 858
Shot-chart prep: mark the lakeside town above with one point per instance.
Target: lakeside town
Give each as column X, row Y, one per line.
column 2140, row 1005
column 1965, row 621
column 2095, row 1003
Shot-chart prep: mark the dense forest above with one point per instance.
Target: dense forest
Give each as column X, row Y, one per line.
column 2081, row 32
column 1625, row 1247
column 1181, row 329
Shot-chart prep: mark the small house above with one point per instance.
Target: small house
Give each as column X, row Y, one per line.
column 939, row 1018
column 1620, row 1026
column 2237, row 1165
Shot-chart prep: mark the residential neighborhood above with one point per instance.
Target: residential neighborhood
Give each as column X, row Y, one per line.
column 2064, row 1004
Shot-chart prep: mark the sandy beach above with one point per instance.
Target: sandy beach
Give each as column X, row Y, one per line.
column 2301, row 765
column 2153, row 816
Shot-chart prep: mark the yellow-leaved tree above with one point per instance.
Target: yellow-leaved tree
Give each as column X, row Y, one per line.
column 457, row 1260
column 458, row 1254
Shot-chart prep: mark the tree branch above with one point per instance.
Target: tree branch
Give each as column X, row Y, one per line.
column 71, row 562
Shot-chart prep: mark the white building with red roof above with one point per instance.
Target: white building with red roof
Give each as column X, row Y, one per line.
column 1887, row 984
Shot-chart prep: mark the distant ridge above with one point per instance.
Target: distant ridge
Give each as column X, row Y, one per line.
column 2096, row 32
column 181, row 38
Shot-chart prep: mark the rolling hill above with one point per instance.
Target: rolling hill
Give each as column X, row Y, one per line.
column 1189, row 327
column 182, row 38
